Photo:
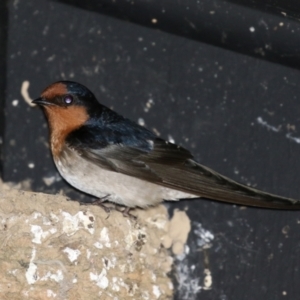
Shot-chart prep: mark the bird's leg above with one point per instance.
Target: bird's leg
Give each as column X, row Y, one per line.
column 101, row 202
column 102, row 199
column 126, row 212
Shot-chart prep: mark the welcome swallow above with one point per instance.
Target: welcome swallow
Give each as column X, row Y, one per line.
column 110, row 157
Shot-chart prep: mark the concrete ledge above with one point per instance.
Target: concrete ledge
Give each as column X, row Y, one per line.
column 54, row 248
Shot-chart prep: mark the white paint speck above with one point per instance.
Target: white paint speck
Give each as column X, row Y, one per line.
column 98, row 245
column 57, row 277
column 109, row 263
column 149, row 105
column 30, row 274
column 171, row 139
column 38, row 233
column 72, row 254
column 236, row 171
column 100, row 279
column 156, row 292
column 50, row 293
column 103, row 240
column 49, row 180
column 189, row 285
column 187, row 249
column 207, row 283
column 252, row 29
column 204, row 237
column 265, row 124
column 115, row 285
column 141, row 122
column 294, row 139
column 47, row 222
column 52, row 230
column 159, row 221
column 31, row 165
column 51, row 58
column 54, row 217
column 15, row 102
column 71, row 224
column 14, row 272
column 36, row 215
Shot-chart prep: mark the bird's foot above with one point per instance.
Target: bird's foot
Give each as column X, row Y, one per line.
column 101, row 202
column 108, row 207
column 126, row 212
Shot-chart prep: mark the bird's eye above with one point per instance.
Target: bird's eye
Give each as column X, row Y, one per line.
column 68, row 99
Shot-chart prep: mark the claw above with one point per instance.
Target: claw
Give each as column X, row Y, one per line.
column 126, row 213
column 102, row 199
column 101, row 202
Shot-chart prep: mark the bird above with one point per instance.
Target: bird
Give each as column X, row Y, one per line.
column 101, row 153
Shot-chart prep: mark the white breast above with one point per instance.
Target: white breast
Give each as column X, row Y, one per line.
column 123, row 189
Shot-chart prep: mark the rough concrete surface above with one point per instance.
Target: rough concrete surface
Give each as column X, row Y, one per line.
column 54, row 248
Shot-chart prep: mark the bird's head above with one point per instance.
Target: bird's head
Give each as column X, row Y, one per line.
column 67, row 105
column 66, row 94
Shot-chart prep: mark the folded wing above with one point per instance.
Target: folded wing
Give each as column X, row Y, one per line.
column 172, row 166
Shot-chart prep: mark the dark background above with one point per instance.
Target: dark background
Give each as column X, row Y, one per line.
column 219, row 77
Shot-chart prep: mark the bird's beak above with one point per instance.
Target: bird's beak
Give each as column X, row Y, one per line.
column 41, row 101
